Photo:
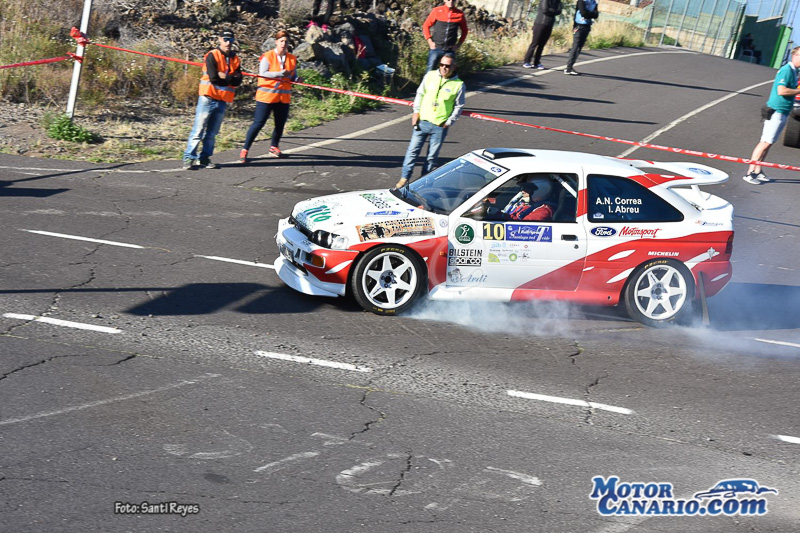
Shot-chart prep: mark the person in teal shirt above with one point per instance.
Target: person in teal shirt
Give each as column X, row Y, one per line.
column 780, row 102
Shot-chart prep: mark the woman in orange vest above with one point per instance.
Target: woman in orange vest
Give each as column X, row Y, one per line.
column 276, row 69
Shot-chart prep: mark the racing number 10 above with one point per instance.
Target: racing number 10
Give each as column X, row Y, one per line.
column 494, row 232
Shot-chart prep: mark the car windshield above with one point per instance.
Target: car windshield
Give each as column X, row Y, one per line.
column 450, row 185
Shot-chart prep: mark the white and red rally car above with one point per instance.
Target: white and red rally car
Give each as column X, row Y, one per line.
column 636, row 231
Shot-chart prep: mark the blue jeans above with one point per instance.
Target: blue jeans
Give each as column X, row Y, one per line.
column 436, row 134
column 207, row 121
column 433, row 58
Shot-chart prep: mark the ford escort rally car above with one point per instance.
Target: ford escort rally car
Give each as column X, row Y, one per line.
column 616, row 231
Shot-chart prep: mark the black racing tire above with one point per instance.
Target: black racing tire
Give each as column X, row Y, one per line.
column 388, row 279
column 660, row 292
column 792, row 136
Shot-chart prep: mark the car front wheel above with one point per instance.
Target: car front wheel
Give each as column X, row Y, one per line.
column 388, row 279
column 660, row 292
column 792, row 135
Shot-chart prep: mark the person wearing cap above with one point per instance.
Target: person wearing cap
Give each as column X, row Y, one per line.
column 222, row 73
column 530, row 204
column 276, row 70
column 441, row 30
column 438, row 103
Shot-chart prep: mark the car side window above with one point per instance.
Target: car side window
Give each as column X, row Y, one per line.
column 562, row 200
column 617, row 199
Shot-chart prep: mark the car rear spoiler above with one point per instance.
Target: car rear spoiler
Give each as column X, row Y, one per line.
column 693, row 174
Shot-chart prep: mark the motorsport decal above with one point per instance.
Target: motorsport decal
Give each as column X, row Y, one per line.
column 729, row 497
column 376, row 200
column 699, row 170
column 706, row 223
column 517, row 232
column 464, row 257
column 464, row 233
column 411, row 227
column 384, row 213
column 627, row 231
column 480, row 162
column 617, row 205
column 509, row 252
column 664, row 254
column 314, row 215
column 456, row 276
column 603, row 231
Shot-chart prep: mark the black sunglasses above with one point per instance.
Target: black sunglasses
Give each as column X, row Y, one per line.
column 446, row 65
column 228, row 39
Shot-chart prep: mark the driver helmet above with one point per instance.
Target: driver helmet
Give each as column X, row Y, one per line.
column 537, row 188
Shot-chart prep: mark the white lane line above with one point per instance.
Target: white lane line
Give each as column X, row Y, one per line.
column 690, row 115
column 77, row 238
column 65, row 323
column 469, row 94
column 278, row 465
column 787, row 438
column 781, row 343
column 310, row 361
column 193, row 381
column 237, row 261
column 569, row 401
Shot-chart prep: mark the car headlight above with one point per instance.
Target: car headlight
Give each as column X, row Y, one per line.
column 329, row 240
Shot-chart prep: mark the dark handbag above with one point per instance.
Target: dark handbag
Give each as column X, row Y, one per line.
column 766, row 112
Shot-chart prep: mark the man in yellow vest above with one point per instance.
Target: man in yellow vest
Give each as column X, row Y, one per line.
column 222, row 73
column 439, row 100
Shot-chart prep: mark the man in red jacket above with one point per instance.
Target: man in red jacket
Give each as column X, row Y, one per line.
column 441, row 30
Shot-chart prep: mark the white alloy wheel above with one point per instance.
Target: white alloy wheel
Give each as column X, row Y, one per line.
column 387, row 279
column 659, row 292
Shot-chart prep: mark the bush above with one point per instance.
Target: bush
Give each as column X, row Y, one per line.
column 62, row 128
column 296, row 12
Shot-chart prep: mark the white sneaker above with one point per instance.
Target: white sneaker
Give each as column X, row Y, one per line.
column 751, row 179
column 763, row 178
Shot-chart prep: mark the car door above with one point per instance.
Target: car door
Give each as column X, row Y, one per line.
column 488, row 248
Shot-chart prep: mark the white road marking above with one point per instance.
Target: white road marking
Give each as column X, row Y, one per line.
column 525, row 478
column 569, row 401
column 77, row 238
column 237, row 261
column 689, row 115
column 235, row 446
column 65, row 323
column 311, row 361
column 10, row 421
column 781, row 343
column 278, row 465
column 787, row 438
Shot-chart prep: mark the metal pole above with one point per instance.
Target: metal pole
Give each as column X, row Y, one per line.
column 666, row 23
column 735, row 28
column 76, row 68
column 710, row 22
column 650, row 22
column 696, row 23
column 680, row 26
column 721, row 25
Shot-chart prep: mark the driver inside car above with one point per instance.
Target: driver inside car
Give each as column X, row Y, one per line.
column 530, row 204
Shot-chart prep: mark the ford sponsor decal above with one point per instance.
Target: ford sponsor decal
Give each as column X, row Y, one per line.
column 603, row 231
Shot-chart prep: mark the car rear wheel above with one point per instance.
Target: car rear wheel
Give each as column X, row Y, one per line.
column 659, row 292
column 387, row 279
column 792, row 135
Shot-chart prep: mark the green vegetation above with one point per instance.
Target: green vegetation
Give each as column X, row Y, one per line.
column 62, row 128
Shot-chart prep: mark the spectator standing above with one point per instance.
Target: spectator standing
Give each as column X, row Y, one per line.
column 438, row 103
column 585, row 15
column 222, row 73
column 441, row 30
column 776, row 112
column 542, row 29
column 749, row 44
column 276, row 69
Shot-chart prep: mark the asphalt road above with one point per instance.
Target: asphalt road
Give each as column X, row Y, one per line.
column 428, row 422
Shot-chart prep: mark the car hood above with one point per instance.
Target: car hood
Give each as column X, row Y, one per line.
column 364, row 215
